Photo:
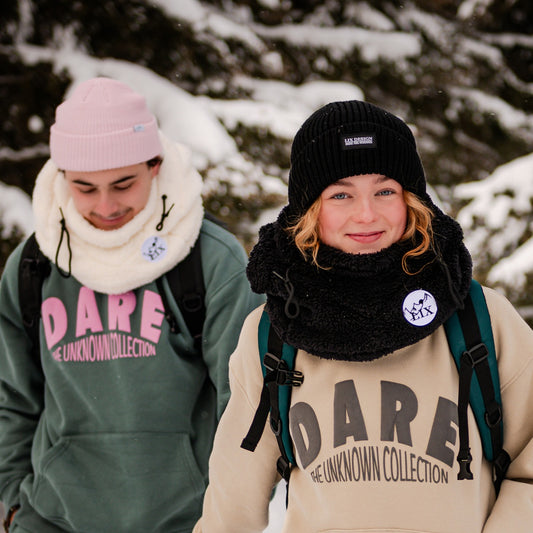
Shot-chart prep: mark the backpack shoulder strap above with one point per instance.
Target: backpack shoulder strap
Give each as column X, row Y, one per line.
column 277, row 362
column 186, row 282
column 34, row 267
column 469, row 334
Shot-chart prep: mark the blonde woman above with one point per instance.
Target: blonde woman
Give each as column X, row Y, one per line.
column 361, row 270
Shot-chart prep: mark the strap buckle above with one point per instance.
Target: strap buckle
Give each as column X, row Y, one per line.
column 284, row 468
column 282, row 374
column 494, row 417
column 192, row 302
column 464, row 460
column 275, row 425
column 500, row 465
column 477, row 354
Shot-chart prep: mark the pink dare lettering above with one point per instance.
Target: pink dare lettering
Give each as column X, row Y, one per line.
column 120, row 309
column 152, row 313
column 88, row 318
column 55, row 323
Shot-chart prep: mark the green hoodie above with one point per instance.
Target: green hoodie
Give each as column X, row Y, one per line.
column 111, row 431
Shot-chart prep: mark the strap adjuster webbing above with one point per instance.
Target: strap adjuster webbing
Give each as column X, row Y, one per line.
column 284, row 468
column 280, row 373
column 477, row 354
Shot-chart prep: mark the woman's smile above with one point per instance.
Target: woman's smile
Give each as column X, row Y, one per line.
column 366, row 237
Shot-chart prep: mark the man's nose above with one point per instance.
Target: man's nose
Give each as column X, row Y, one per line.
column 107, row 204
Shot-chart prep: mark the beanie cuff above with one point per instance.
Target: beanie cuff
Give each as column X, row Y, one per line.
column 88, row 153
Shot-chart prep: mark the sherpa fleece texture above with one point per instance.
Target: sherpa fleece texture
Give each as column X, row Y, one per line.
column 111, row 262
column 353, row 308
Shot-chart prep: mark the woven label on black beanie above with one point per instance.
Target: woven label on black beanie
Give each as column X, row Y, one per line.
column 361, row 140
column 351, row 138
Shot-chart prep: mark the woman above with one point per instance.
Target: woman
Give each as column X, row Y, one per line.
column 374, row 423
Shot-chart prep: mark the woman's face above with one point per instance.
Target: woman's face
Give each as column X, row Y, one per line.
column 108, row 199
column 362, row 214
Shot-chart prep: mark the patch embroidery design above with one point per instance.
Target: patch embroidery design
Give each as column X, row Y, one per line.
column 154, row 249
column 419, row 307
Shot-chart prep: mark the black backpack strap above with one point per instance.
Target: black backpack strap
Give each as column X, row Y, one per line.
column 34, row 267
column 476, row 359
column 280, row 374
column 186, row 282
column 274, row 346
column 277, row 373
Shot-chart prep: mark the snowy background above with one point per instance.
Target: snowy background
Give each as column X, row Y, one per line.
column 234, row 80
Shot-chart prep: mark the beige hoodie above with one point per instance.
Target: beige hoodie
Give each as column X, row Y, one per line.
column 376, row 443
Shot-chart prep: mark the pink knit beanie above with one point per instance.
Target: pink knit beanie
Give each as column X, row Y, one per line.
column 103, row 125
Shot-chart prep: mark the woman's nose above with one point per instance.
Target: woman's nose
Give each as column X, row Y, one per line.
column 364, row 211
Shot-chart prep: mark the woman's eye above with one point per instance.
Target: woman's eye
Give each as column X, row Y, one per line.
column 339, row 196
column 387, row 192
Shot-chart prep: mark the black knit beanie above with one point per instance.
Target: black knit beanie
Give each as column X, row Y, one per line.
column 351, row 138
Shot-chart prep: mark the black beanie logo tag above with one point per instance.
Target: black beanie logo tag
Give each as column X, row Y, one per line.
column 360, row 140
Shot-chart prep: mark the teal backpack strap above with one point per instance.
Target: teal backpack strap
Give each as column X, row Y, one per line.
column 277, row 363
column 469, row 334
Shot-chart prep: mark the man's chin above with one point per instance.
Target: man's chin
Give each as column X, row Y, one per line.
column 112, row 223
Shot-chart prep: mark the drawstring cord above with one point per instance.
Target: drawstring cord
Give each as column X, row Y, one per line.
column 453, row 291
column 292, row 308
column 64, row 231
column 164, row 214
column 444, row 267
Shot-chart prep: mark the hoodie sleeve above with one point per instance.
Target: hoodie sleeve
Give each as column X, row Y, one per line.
column 513, row 509
column 21, row 388
column 229, row 300
column 240, row 481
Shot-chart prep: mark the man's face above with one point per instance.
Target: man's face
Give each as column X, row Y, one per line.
column 108, row 199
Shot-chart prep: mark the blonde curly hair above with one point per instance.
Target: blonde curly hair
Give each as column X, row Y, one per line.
column 307, row 239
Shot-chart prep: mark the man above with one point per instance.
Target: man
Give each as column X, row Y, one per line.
column 110, row 429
